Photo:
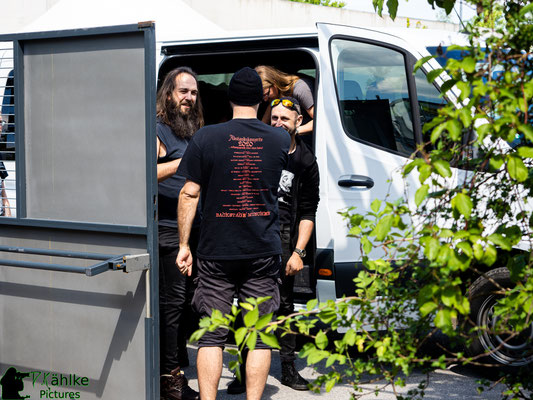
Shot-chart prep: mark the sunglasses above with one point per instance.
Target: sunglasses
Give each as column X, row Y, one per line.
column 286, row 103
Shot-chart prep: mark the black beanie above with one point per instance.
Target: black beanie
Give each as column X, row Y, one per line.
column 245, row 88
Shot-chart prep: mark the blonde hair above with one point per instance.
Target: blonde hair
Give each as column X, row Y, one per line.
column 282, row 81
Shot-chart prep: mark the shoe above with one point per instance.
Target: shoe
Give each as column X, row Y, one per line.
column 291, row 378
column 176, row 387
column 236, row 386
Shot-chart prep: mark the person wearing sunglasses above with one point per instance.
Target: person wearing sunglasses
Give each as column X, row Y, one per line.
column 278, row 84
column 298, row 197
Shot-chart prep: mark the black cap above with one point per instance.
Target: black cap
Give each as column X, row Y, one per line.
column 245, row 88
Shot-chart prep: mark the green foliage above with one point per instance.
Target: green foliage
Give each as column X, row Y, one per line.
column 422, row 254
column 327, row 3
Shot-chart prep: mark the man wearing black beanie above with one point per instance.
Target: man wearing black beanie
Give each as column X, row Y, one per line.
column 236, row 166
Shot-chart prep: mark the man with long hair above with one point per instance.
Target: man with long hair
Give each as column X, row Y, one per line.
column 179, row 116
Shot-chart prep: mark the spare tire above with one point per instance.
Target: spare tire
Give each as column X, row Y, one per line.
column 500, row 349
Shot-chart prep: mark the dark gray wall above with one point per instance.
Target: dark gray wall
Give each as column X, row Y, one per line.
column 85, row 129
column 70, row 323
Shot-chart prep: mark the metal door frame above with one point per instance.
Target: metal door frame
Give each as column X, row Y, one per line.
column 150, row 231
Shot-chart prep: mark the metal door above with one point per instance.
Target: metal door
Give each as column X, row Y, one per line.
column 78, row 259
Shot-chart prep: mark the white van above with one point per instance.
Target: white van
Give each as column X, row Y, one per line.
column 369, row 112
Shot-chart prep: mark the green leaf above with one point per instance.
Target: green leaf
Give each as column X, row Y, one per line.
column 478, row 251
column 431, row 248
column 448, row 296
column 383, row 227
column 468, row 64
column 349, row 337
column 490, row 255
column 432, row 75
column 447, row 85
column 527, row 131
column 463, row 204
column 501, row 241
column 421, row 194
column 240, row 334
column 247, row 306
column 422, row 61
column 316, row 356
column 516, row 168
column 443, row 319
column 367, row 245
column 496, row 162
column 525, row 152
column 466, row 248
column 526, row 9
column 252, row 340
column 442, row 167
column 454, row 128
column 321, row 340
column 251, row 317
column 198, row 334
column 331, row 360
column 428, row 308
column 465, row 89
column 269, row 339
column 465, row 116
column 376, row 204
column 311, row 304
column 392, row 5
column 263, row 321
column 331, row 382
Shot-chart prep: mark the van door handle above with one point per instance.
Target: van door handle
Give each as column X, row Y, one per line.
column 356, row 181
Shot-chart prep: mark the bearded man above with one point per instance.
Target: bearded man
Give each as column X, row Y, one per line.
column 179, row 116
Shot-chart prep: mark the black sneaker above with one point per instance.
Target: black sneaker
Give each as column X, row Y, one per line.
column 176, row 387
column 236, row 386
column 291, row 378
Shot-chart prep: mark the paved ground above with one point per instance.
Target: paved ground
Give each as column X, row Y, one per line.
column 455, row 383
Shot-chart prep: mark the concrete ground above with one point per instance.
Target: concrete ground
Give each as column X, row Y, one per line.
column 455, row 383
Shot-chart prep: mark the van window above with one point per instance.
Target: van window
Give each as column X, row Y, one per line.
column 429, row 98
column 373, row 96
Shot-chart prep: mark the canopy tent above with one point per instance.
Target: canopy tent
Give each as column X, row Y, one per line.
column 174, row 19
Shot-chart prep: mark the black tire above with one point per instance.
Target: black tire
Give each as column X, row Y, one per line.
column 510, row 353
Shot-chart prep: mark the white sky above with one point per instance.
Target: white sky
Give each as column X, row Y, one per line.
column 416, row 9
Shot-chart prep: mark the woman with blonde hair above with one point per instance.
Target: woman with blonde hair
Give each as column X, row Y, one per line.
column 278, row 84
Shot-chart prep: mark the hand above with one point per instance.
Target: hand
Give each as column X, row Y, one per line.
column 184, row 260
column 294, row 265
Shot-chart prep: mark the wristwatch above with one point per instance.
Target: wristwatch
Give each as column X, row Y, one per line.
column 300, row 252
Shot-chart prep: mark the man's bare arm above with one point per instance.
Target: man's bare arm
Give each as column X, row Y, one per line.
column 187, row 204
column 165, row 170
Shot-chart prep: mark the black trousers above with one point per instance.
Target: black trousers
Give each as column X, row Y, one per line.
column 287, row 342
column 174, row 297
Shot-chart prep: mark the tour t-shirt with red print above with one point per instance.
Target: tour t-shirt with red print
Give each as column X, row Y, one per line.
column 238, row 165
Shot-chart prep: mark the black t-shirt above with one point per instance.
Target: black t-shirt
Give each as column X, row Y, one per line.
column 169, row 189
column 286, row 187
column 238, row 165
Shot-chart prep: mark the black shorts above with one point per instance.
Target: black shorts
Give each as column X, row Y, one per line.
column 219, row 281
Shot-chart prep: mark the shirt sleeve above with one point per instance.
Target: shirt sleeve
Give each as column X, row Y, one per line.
column 191, row 164
column 303, row 93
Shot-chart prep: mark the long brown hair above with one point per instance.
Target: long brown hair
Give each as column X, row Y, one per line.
column 271, row 76
column 165, row 91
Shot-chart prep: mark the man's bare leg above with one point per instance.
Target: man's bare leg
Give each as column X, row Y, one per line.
column 257, row 368
column 209, row 366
